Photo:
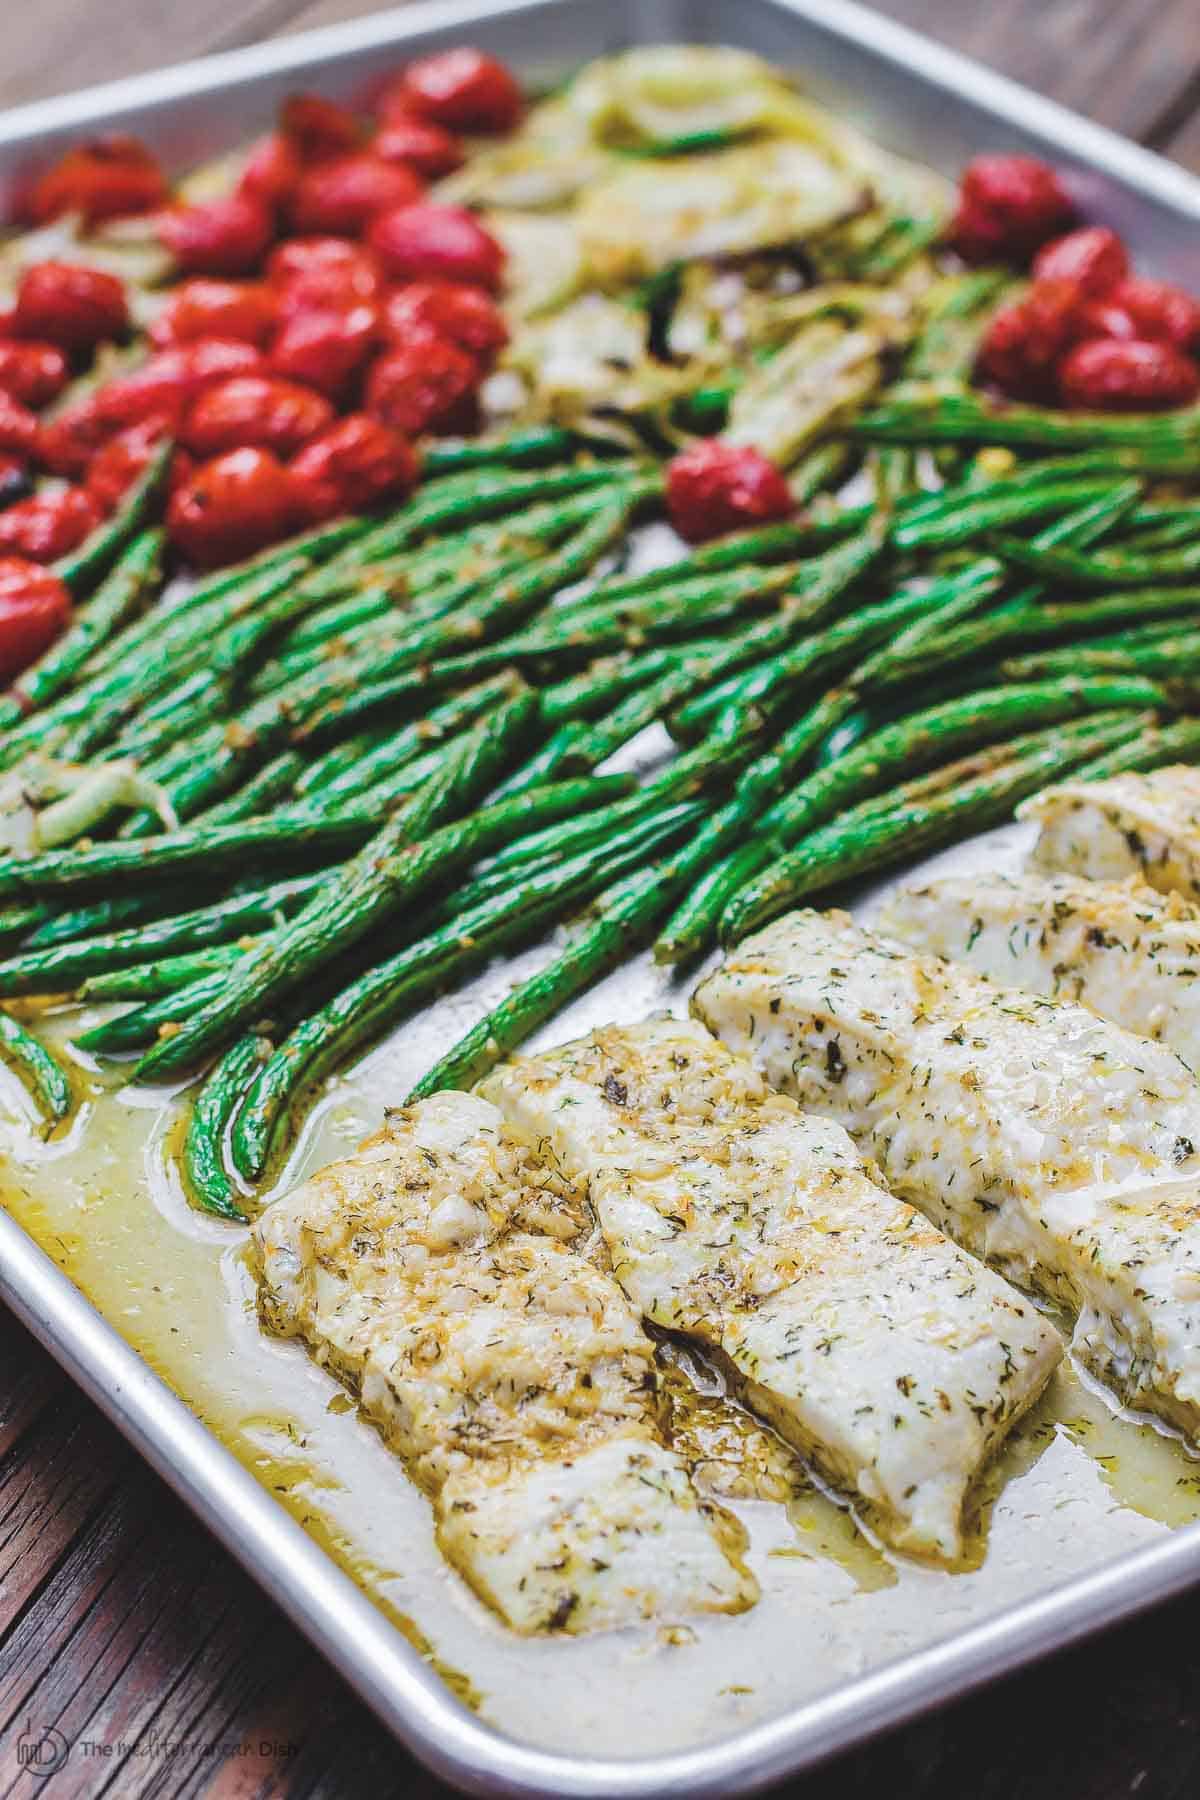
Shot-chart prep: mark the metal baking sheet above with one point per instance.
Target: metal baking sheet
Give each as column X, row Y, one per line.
column 844, row 1643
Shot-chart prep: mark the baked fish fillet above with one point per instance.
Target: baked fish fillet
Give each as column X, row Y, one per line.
column 1044, row 1138
column 1143, row 825
column 433, row 1272
column 869, row 1341
column 1128, row 953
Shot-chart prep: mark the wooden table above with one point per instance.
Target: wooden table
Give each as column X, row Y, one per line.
column 122, row 1623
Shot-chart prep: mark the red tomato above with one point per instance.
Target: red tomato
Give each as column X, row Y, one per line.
column 1008, row 207
column 116, row 466
column 47, row 526
column 241, row 310
column 231, row 507
column 1022, row 345
column 427, row 385
column 32, row 373
column 1093, row 259
column 1161, row 312
column 67, row 444
column 353, row 466
column 69, row 305
column 345, row 193
column 14, row 479
column 34, row 608
column 255, row 410
column 173, row 377
column 446, row 243
column 1106, row 376
column 420, row 145
column 102, row 179
column 272, row 170
column 18, row 427
column 318, row 127
column 324, row 349
column 463, row 89
column 715, row 487
column 219, row 237
column 1102, row 319
column 447, row 309
column 323, row 275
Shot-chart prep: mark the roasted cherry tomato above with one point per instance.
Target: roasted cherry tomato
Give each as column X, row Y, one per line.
column 19, row 431
column 464, row 90
column 257, row 410
column 715, row 487
column 47, row 526
column 442, row 243
column 463, row 315
column 66, row 445
column 115, row 467
column 103, row 179
column 318, row 127
column 421, row 145
column 427, row 385
column 231, row 507
column 325, row 349
column 220, row 237
column 1103, row 319
column 345, row 193
column 272, row 170
column 354, row 465
column 32, row 373
column 1009, row 206
column 241, row 310
column 1093, row 259
column 323, row 275
column 1108, row 376
column 172, row 378
column 15, row 481
column 69, row 305
column 1160, row 311
column 1024, row 342
column 34, row 608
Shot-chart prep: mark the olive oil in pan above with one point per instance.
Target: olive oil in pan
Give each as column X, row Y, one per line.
column 1074, row 1487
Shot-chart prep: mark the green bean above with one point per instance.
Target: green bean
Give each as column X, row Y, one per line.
column 204, row 1174
column 42, row 1075
column 102, row 547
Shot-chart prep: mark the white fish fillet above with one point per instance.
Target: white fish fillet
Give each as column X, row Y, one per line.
column 1128, row 953
column 1046, row 1139
column 862, row 1334
column 434, row 1273
column 1143, row 825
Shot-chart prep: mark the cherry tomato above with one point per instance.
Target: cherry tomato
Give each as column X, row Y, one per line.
column 1103, row 319
column 69, row 305
column 345, row 193
column 103, row 179
column 1107, row 376
column 34, row 608
column 32, row 373
column 257, row 410
column 426, row 385
column 354, row 465
column 47, row 526
column 241, row 310
column 173, row 377
column 1008, row 207
column 231, row 507
column 15, row 483
column 115, row 467
column 272, row 170
column 66, row 445
column 18, row 427
column 318, row 127
column 463, row 89
column 325, row 349
column 463, row 315
column 219, row 237
column 416, row 243
column 715, row 487
column 1022, row 345
column 419, row 145
column 1093, row 258
column 323, row 275
column 1160, row 311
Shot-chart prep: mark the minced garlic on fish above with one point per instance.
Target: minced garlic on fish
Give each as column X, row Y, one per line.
column 867, row 1339
column 1143, row 825
column 1124, row 951
column 434, row 1273
column 1044, row 1138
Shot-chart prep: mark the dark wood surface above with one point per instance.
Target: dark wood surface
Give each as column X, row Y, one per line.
column 123, row 1626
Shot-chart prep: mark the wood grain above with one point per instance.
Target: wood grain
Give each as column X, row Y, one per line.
column 126, row 1628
